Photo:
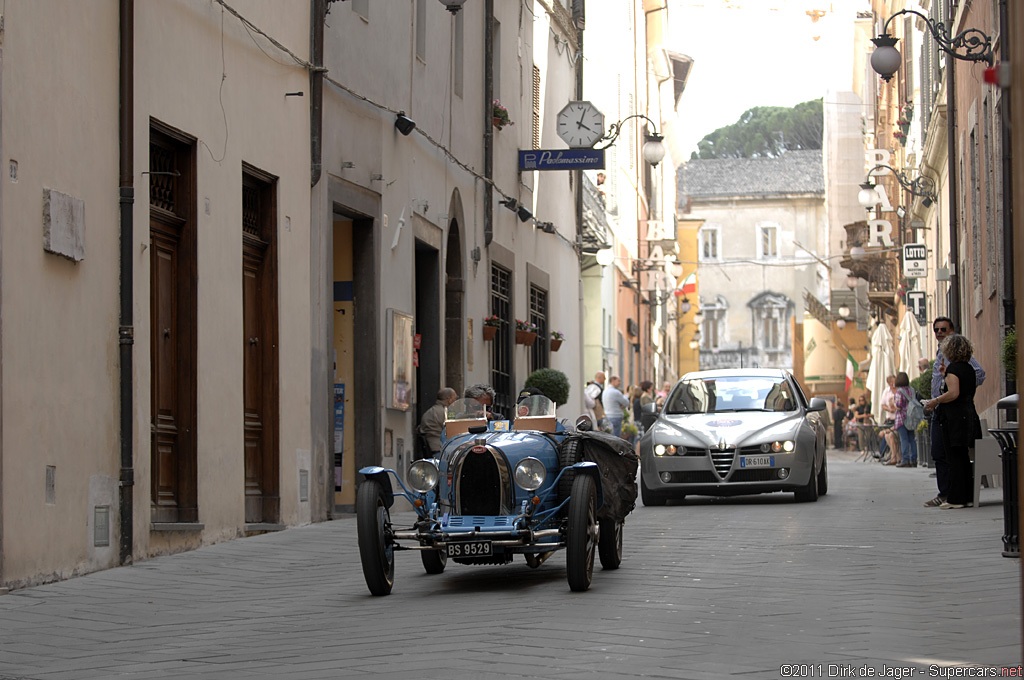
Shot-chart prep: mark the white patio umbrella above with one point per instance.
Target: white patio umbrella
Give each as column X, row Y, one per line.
column 910, row 344
column 883, row 364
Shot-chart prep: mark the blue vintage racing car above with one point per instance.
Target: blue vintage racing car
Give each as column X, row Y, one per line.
column 501, row 488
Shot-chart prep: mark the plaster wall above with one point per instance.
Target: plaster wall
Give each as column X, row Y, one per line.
column 59, row 317
column 248, row 119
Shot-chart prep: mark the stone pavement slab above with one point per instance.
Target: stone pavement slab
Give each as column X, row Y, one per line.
column 756, row 586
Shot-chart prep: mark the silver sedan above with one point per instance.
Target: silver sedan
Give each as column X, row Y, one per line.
column 729, row 432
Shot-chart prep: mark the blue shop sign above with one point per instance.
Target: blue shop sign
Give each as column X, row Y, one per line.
column 561, row 159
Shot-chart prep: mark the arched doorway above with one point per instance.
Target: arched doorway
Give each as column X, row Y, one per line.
column 454, row 292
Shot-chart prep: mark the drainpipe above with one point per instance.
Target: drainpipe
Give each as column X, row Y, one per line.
column 318, row 10
column 954, row 199
column 126, row 332
column 1009, row 302
column 488, row 127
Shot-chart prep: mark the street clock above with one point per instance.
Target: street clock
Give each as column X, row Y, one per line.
column 580, row 124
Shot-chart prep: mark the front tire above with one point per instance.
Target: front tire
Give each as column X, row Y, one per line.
column 373, row 525
column 808, row 494
column 434, row 561
column 650, row 498
column 823, row 477
column 583, row 533
column 569, row 454
column 609, row 544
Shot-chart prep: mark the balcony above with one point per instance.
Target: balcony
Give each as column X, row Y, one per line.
column 878, row 266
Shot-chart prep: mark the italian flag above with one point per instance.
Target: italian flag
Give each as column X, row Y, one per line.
column 851, row 369
column 689, row 284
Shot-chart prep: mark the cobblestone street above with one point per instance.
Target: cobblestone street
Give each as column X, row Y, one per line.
column 751, row 587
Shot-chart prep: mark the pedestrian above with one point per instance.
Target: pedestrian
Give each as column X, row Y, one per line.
column 862, row 416
column 635, row 394
column 433, row 419
column 592, row 395
column 943, row 327
column 614, row 404
column 908, row 441
column 956, row 418
column 838, row 422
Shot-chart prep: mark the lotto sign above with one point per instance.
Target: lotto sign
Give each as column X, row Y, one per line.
column 915, row 261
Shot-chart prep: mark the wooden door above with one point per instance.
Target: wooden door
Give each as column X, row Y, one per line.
column 253, row 256
column 261, row 460
column 165, row 331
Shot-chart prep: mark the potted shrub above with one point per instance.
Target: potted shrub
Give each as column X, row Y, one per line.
column 551, row 382
column 526, row 333
column 491, row 325
column 499, row 115
column 556, row 340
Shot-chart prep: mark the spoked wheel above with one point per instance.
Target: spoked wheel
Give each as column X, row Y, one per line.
column 434, row 561
column 373, row 524
column 823, row 477
column 609, row 545
column 583, row 533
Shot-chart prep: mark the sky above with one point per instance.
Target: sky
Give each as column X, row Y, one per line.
column 751, row 53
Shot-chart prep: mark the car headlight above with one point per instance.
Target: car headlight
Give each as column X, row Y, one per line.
column 530, row 473
column 422, row 476
column 664, row 450
column 776, row 447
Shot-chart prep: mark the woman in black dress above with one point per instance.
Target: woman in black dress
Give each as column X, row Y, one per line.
column 958, row 418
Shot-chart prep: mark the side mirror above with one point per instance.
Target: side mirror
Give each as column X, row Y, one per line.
column 584, row 424
column 817, row 404
column 648, row 414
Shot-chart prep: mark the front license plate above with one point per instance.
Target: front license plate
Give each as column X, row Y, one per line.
column 469, row 549
column 757, row 461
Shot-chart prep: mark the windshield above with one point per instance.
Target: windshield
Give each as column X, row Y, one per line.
column 730, row 395
column 465, row 409
column 534, row 406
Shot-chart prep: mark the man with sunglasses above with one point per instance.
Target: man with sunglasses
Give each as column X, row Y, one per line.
column 943, row 326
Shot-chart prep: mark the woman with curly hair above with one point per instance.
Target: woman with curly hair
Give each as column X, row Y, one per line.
column 957, row 418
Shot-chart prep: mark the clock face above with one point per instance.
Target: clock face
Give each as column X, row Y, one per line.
column 580, row 124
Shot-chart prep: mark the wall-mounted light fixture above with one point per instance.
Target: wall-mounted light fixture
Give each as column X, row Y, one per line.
column 698, row 318
column 453, row 6
column 921, row 186
column 844, row 311
column 852, row 281
column 654, row 144
column 886, row 59
column 546, row 227
column 404, row 124
column 524, row 213
column 510, row 203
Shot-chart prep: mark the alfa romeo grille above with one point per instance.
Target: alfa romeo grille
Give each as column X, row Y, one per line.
column 722, row 460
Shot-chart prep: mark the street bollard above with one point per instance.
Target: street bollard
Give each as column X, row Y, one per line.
column 1007, row 438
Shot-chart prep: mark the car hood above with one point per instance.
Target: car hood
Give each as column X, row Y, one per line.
column 709, row 430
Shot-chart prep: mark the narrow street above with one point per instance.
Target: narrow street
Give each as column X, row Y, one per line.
column 866, row 577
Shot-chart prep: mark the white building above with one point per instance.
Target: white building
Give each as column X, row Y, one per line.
column 764, row 229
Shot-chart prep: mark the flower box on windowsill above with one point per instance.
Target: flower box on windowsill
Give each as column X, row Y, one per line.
column 490, row 332
column 555, row 344
column 525, row 338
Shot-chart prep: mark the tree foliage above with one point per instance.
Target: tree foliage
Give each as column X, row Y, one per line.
column 766, row 132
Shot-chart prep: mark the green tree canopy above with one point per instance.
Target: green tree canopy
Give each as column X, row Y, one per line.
column 766, row 132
